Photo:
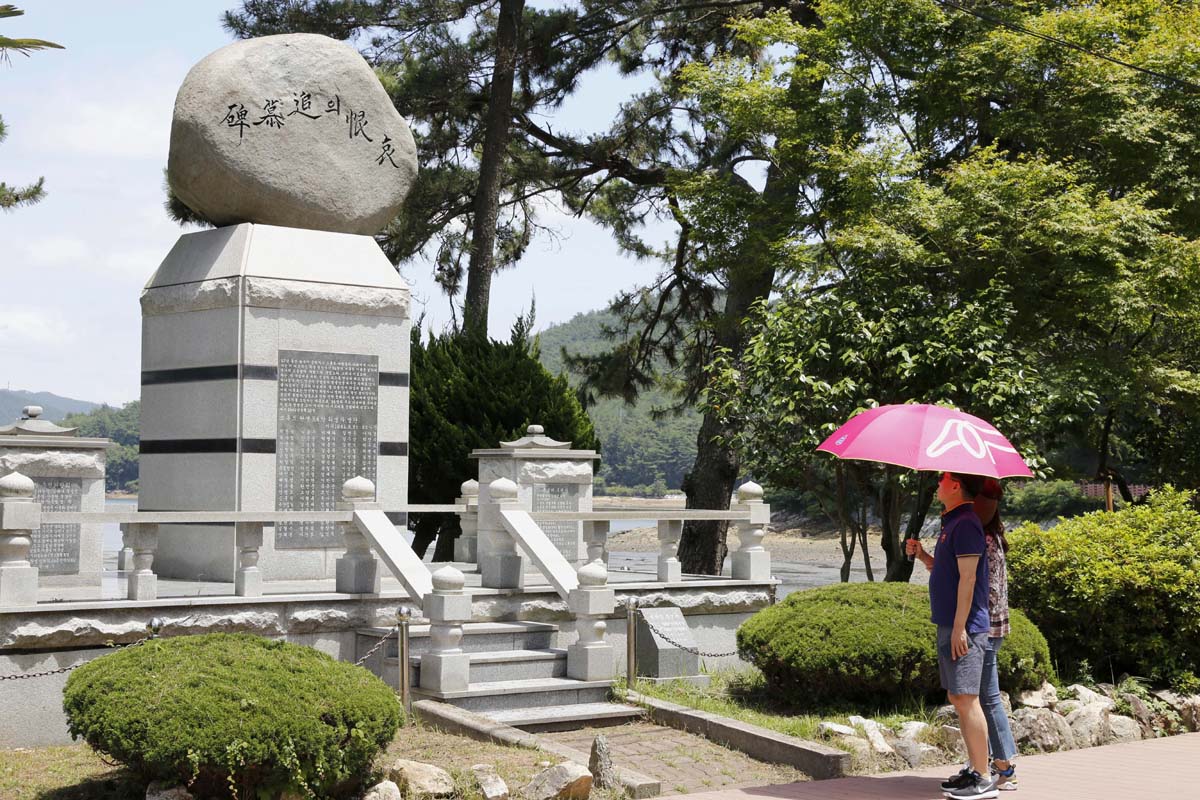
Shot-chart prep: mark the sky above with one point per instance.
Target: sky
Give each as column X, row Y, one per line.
column 94, row 120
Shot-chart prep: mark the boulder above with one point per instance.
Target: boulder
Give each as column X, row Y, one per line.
column 293, row 130
column 1045, row 697
column 566, row 781
column 1123, row 729
column 1140, row 712
column 914, row 752
column 384, row 790
column 1042, row 730
column 874, row 732
column 1065, row 707
column 945, row 713
column 601, row 766
column 856, row 745
column 913, row 729
column 491, row 785
column 835, row 728
column 416, row 779
column 1006, row 702
column 1090, row 725
column 159, row 790
column 1089, row 697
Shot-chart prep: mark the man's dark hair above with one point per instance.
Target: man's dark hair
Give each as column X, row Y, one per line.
column 971, row 484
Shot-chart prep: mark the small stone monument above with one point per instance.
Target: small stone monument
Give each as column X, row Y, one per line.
column 275, row 348
column 550, row 476
column 68, row 475
column 666, row 647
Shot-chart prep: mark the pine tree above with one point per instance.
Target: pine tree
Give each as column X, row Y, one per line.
column 13, row 196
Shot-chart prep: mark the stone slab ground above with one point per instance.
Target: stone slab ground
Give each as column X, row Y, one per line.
column 683, row 762
column 1156, row 768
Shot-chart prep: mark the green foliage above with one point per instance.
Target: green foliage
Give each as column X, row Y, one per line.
column 868, row 643
column 13, row 196
column 1043, row 500
column 467, row 393
column 121, row 426
column 233, row 714
column 1119, row 590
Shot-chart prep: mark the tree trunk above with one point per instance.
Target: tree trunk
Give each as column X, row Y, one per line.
column 901, row 569
column 491, row 169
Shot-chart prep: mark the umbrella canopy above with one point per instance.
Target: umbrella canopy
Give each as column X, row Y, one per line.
column 925, row 437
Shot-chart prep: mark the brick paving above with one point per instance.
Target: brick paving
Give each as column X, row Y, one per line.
column 1155, row 768
column 684, row 763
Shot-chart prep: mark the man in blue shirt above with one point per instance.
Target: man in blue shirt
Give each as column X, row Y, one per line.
column 958, row 600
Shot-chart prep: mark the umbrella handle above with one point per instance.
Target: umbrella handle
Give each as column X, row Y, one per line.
column 910, row 558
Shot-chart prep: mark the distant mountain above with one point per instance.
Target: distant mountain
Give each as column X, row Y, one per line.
column 54, row 407
column 637, row 449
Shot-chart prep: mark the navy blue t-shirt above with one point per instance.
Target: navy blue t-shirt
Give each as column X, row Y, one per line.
column 962, row 535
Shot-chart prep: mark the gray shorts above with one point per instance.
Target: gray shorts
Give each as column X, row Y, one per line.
column 964, row 675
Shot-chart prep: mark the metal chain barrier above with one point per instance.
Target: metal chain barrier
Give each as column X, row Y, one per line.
column 382, row 640
column 152, row 630
column 693, row 650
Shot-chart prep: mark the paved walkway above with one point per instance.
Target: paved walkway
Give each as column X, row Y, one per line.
column 1166, row 768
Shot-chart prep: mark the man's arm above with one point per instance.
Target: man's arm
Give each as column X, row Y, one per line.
column 966, row 590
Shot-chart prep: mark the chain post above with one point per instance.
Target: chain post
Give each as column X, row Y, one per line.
column 153, row 627
column 630, row 642
column 404, row 618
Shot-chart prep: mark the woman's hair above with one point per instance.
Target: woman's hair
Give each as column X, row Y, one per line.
column 992, row 490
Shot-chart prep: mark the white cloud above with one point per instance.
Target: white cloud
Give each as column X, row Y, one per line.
column 33, row 327
column 56, row 252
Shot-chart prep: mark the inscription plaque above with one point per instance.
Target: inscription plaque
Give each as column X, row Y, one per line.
column 55, row 549
column 658, row 653
column 563, row 534
column 327, row 433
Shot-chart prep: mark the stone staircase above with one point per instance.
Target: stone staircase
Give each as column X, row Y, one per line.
column 516, row 677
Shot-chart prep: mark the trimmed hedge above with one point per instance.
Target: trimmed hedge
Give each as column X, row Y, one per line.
column 234, row 714
column 1119, row 591
column 868, row 643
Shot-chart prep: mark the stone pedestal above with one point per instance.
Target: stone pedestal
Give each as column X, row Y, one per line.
column 590, row 658
column 446, row 668
column 751, row 561
column 549, row 476
column 19, row 516
column 274, row 368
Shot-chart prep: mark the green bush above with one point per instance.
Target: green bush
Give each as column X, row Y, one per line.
column 1119, row 590
column 233, row 714
column 868, row 643
column 1042, row 500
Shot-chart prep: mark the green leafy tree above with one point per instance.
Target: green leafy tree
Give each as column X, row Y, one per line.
column 468, row 392
column 121, row 425
column 13, row 196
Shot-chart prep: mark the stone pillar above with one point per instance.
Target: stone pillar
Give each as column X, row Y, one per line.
column 595, row 536
column 357, row 571
column 19, row 517
column 752, row 562
column 669, row 531
column 591, row 657
column 249, row 538
column 142, row 539
column 446, row 668
column 466, row 547
column 503, row 567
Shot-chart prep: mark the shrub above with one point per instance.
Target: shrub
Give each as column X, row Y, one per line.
column 868, row 643
column 1042, row 500
column 1119, row 590
column 233, row 714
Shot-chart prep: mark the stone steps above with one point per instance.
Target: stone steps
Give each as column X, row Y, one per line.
column 488, row 696
column 497, row 665
column 569, row 717
column 477, row 637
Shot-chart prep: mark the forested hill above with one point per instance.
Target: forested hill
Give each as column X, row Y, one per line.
column 54, row 407
column 638, row 450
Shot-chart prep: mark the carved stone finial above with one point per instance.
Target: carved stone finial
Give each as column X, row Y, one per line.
column 502, row 489
column 16, row 485
column 535, row 430
column 749, row 492
column 448, row 579
column 358, row 488
column 470, row 488
column 31, row 412
column 593, row 573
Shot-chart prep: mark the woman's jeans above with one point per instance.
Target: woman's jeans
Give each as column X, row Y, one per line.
column 999, row 733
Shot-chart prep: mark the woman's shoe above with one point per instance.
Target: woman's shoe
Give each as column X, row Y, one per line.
column 1006, row 779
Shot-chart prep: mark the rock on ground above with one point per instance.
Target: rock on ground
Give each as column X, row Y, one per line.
column 384, row 790
column 1124, row 729
column 161, row 791
column 420, row 780
column 1141, row 712
column 601, row 766
column 566, row 781
column 912, row 729
column 914, row 752
column 491, row 785
column 832, row 728
column 1090, row 697
column 1042, row 730
column 874, row 735
column 1044, row 697
column 1090, row 725
column 291, row 130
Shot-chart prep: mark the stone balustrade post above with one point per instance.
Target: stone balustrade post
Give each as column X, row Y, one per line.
column 503, row 567
column 591, row 657
column 669, row 531
column 249, row 538
column 357, row 572
column 20, row 516
column 595, row 536
column 142, row 539
column 466, row 546
column 445, row 667
column 751, row 561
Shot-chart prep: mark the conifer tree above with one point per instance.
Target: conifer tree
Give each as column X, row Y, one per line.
column 14, row 196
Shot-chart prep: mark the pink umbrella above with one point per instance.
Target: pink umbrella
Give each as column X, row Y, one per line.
column 925, row 437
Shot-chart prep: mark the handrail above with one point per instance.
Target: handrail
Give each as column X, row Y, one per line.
column 734, row 514
column 168, row 517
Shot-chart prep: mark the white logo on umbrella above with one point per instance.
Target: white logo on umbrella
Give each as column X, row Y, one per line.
column 968, row 435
